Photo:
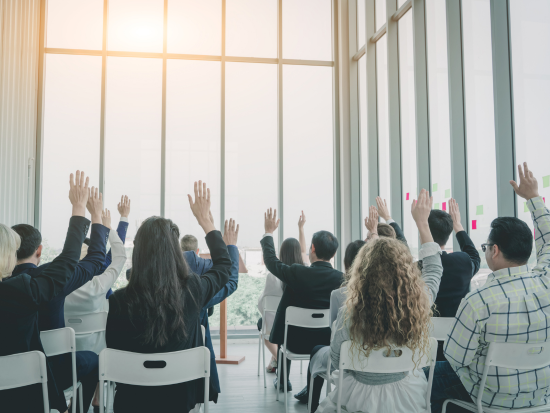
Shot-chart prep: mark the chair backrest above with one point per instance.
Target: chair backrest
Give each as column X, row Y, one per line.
column 88, row 323
column 203, row 331
column 60, row 341
column 441, row 327
column 159, row 369
column 306, row 317
column 23, row 369
column 271, row 303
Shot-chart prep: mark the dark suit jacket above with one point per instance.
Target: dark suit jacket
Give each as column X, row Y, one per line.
column 399, row 232
column 20, row 298
column 306, row 287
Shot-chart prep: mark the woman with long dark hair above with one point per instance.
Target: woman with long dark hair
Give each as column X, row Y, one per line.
column 158, row 312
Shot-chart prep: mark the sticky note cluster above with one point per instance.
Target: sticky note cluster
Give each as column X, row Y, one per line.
column 479, row 210
column 546, row 181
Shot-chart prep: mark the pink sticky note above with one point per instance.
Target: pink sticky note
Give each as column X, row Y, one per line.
column 407, row 196
column 444, row 206
column 474, row 224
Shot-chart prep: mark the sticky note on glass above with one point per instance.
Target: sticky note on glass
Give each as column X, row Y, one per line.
column 447, row 193
column 436, row 206
column 474, row 224
column 434, row 188
column 546, row 181
column 407, row 196
column 525, row 207
column 444, row 206
column 479, row 210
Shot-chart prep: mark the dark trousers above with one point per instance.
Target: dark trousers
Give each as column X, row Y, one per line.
column 446, row 385
column 317, row 382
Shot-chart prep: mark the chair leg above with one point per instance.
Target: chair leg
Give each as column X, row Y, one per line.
column 301, row 366
column 259, row 352
column 278, row 373
column 310, row 394
column 101, row 397
column 286, row 381
column 263, row 358
column 108, row 396
column 81, row 397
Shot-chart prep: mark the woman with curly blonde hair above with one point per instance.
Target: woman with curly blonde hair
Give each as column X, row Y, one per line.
column 388, row 306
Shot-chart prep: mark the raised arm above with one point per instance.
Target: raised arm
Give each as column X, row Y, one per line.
column 371, row 222
column 528, row 189
column 213, row 280
column 466, row 244
column 302, row 237
column 124, row 211
column 384, row 213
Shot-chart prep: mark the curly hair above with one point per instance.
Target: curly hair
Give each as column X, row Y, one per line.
column 387, row 304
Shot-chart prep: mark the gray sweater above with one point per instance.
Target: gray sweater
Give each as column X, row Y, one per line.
column 432, row 271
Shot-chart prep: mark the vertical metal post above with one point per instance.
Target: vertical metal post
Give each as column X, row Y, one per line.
column 457, row 113
column 504, row 107
column 222, row 123
column 102, row 125
column 163, row 118
column 336, row 133
column 280, row 118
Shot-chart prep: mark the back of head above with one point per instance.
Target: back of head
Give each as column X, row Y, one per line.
column 441, row 226
column 326, row 245
column 351, row 252
column 514, row 239
column 189, row 243
column 291, row 252
column 31, row 239
column 386, row 230
column 10, row 242
column 159, row 278
column 387, row 303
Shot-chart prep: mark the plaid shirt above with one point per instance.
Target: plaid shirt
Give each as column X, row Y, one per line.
column 514, row 307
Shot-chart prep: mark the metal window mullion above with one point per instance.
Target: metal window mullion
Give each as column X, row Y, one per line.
column 280, row 118
column 457, row 113
column 102, row 125
column 222, row 122
column 394, row 117
column 504, row 107
column 163, row 116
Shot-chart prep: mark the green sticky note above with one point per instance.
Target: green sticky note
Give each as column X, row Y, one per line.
column 434, row 188
column 447, row 193
column 525, row 207
column 479, row 210
column 436, row 206
column 546, row 181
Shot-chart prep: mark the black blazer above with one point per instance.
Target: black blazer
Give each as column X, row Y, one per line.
column 399, row 232
column 20, row 298
column 307, row 287
column 123, row 333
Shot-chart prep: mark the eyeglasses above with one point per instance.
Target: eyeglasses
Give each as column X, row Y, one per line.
column 484, row 246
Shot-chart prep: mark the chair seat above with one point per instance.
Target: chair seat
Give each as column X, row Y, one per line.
column 295, row 356
column 473, row 408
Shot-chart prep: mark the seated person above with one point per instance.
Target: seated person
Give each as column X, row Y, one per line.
column 190, row 243
column 22, row 296
column 382, row 271
column 159, row 311
column 292, row 252
column 513, row 307
column 306, row 287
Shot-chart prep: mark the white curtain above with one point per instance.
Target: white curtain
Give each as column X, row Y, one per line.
column 19, row 52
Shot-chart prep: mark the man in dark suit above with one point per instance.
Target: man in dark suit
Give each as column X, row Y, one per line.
column 306, row 287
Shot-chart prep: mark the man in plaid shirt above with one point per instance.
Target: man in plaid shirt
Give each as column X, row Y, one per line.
column 513, row 307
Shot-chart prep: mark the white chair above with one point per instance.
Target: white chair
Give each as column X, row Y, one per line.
column 510, row 356
column 88, row 323
column 270, row 304
column 441, row 327
column 203, row 330
column 177, row 367
column 378, row 363
column 325, row 376
column 25, row 369
column 299, row 317
column 62, row 341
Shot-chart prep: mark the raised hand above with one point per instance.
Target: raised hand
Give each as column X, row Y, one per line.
column 211, row 218
column 371, row 222
column 106, row 218
column 454, row 211
column 78, row 193
column 230, row 232
column 383, row 209
column 420, row 210
column 95, row 204
column 201, row 206
column 124, row 206
column 302, row 221
column 271, row 222
column 528, row 187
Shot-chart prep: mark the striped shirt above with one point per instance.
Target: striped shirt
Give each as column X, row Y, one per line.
column 514, row 307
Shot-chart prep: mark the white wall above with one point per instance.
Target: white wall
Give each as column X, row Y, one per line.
column 19, row 41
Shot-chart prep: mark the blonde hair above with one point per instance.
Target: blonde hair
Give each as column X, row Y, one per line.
column 10, row 242
column 387, row 304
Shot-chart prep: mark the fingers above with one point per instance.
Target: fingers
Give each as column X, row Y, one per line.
column 514, row 185
column 520, row 173
column 275, row 214
column 237, row 230
column 226, row 225
column 71, row 181
column 196, row 190
column 526, row 170
column 207, row 194
column 190, row 200
column 77, row 178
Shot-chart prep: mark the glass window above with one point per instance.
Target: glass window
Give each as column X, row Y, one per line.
column 361, row 24
column 408, row 128
column 363, row 135
column 75, row 25
column 195, row 27
column 438, row 99
column 251, row 180
column 136, row 25
column 383, row 125
column 193, row 106
column 132, row 137
column 71, row 138
column 480, row 123
column 308, row 149
column 531, row 77
column 311, row 41
column 380, row 13
column 251, row 28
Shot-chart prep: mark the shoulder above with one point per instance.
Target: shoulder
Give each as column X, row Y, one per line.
column 455, row 257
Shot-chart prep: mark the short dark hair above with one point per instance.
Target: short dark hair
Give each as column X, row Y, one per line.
column 30, row 240
column 351, row 252
column 386, row 230
column 189, row 243
column 326, row 245
column 513, row 237
column 441, row 226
